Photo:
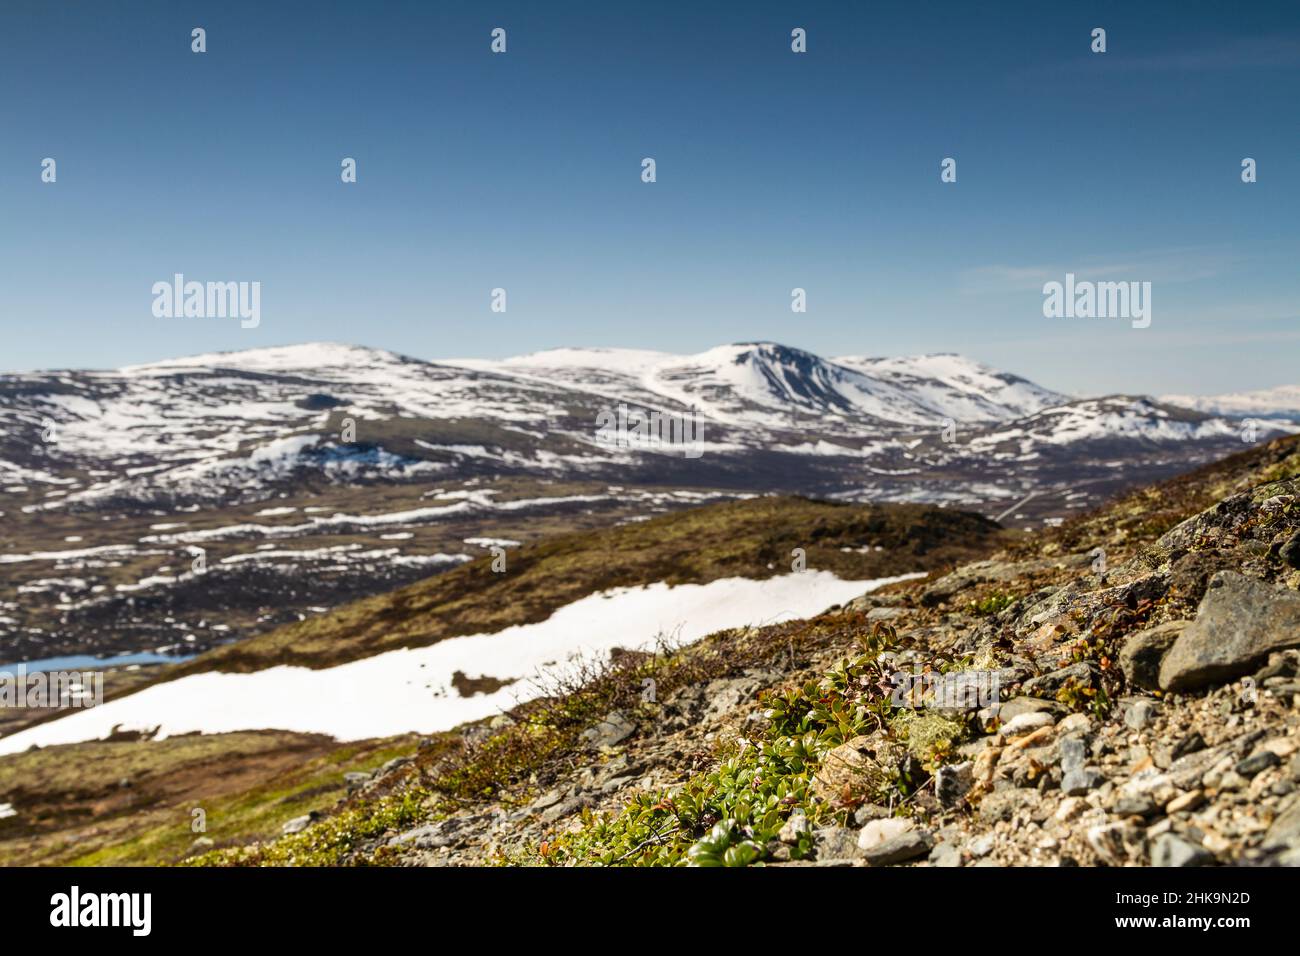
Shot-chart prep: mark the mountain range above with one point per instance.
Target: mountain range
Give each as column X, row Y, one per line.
column 186, row 503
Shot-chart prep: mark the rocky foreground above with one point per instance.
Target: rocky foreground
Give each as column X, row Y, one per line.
column 1145, row 660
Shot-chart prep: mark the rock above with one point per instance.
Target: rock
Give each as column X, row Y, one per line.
column 565, row 807
column 1134, row 805
column 867, row 812
column 611, row 731
column 1013, row 708
column 1081, row 673
column 548, row 799
column 1140, row 657
column 1185, row 801
column 945, row 855
column 1074, row 753
column 355, row 779
column 392, row 765
column 298, row 824
column 1141, row 712
column 1239, row 622
column 201, row 844
column 615, row 784
column 1289, row 552
column 795, row 827
column 1258, row 762
column 981, row 846
column 1113, row 842
column 446, row 833
column 1285, row 830
column 1070, row 808
column 1172, row 850
column 1026, row 723
column 877, row 832
column 1078, row 782
column 836, row 843
column 953, row 781
column 1002, row 804
column 848, row 771
column 1075, row 724
column 899, row 849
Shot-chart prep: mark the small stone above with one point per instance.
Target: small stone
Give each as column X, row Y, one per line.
column 1232, row 781
column 953, row 781
column 795, row 827
column 945, row 855
column 1070, row 808
column 1257, row 762
column 297, row 824
column 1111, row 841
column 1136, row 805
column 611, row 731
column 1075, row 724
column 1026, row 723
column 836, row 843
column 1078, row 782
column 1074, row 753
column 877, row 832
column 1140, row 713
column 1172, row 850
column 1185, row 801
column 981, row 846
column 899, row 849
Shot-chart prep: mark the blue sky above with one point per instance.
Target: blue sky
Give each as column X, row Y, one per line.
column 775, row 170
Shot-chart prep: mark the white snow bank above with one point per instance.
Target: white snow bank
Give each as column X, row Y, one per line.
column 410, row 690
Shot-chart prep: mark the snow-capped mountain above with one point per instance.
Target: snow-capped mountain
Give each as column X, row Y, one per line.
column 145, row 504
column 1280, row 402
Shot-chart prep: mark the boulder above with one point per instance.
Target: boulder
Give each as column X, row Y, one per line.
column 1239, row 623
column 1139, row 658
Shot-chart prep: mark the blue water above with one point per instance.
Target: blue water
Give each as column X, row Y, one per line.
column 86, row 662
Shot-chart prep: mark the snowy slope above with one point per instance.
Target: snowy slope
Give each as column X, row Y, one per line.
column 1280, row 402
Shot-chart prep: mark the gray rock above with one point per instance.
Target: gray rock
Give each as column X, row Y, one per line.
column 953, row 781
column 1078, row 782
column 298, row 824
column 1285, row 831
column 1140, row 657
column 356, row 779
column 1002, row 804
column 981, row 846
column 1240, row 621
column 1172, row 850
column 1080, row 673
column 565, row 807
column 945, row 855
column 611, row 731
column 1013, row 708
column 1140, row 713
column 1134, row 805
column 899, row 849
column 392, row 765
column 1074, row 753
column 836, row 843
column 1259, row 762
column 795, row 827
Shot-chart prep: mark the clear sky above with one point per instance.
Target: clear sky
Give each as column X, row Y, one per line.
column 775, row 170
